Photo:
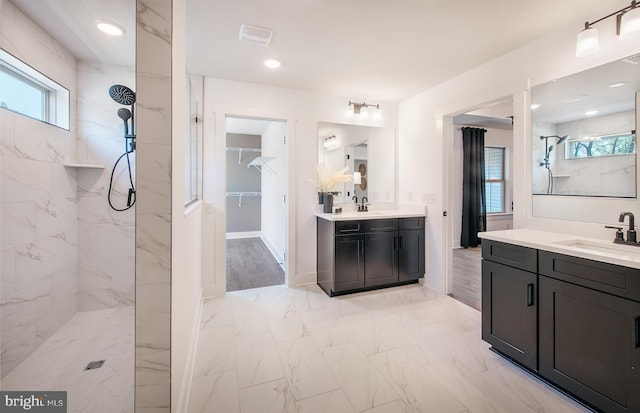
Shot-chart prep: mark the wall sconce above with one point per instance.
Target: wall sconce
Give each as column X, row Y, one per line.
column 362, row 110
column 330, row 142
column 627, row 24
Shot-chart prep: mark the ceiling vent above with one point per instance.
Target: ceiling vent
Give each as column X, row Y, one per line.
column 255, row 34
column 634, row 60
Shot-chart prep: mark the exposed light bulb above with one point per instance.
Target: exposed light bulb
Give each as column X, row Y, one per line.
column 588, row 41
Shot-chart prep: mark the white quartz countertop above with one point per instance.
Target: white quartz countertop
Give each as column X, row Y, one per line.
column 352, row 216
column 583, row 247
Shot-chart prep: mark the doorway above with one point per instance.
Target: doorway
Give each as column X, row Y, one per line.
column 496, row 120
column 256, row 218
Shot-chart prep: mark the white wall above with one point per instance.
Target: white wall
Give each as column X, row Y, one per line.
column 302, row 110
column 274, row 187
column 38, row 204
column 186, row 225
column 493, row 137
column 425, row 131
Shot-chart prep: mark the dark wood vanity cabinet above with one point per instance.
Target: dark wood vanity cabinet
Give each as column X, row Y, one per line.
column 590, row 330
column 574, row 322
column 365, row 254
column 509, row 301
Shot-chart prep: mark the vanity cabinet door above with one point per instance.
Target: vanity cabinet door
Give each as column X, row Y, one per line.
column 509, row 312
column 590, row 344
column 349, row 262
column 381, row 258
column 410, row 255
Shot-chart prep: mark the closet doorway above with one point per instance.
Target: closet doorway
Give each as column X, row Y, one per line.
column 256, row 218
column 466, row 255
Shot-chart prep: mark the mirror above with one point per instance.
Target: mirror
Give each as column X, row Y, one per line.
column 364, row 149
column 583, row 132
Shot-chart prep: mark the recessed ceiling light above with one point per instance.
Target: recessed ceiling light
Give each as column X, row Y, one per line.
column 591, row 112
column 110, row 28
column 617, row 84
column 535, row 106
column 272, row 63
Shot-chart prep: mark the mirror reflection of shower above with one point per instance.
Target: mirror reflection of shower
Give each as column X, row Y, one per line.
column 546, row 161
column 124, row 96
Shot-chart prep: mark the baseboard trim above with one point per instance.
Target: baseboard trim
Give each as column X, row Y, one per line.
column 305, row 279
column 185, row 394
column 279, row 257
column 247, row 234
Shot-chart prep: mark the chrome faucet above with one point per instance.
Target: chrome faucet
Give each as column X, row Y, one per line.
column 354, row 199
column 631, row 232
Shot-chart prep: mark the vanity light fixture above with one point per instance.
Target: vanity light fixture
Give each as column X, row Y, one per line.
column 627, row 24
column 110, row 28
column 362, row 110
column 330, row 142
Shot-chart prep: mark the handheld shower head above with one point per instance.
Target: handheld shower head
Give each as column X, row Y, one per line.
column 125, row 115
column 122, row 95
column 550, row 150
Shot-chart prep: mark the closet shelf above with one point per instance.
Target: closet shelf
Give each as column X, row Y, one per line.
column 260, row 163
column 240, row 150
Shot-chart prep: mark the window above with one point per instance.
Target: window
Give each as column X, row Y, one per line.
column 494, row 179
column 607, row 145
column 26, row 91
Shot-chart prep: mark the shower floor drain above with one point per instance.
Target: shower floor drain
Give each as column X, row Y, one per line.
column 94, row 365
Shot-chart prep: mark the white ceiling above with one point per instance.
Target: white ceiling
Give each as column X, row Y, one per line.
column 363, row 49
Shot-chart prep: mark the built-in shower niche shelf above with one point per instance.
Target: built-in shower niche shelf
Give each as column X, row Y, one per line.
column 260, row 163
column 83, row 166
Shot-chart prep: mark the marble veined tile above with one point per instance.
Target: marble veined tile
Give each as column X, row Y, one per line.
column 258, row 360
column 215, row 392
column 332, row 402
column 363, row 384
column 271, row 397
column 306, row 369
column 216, row 312
column 216, row 351
column 417, row 388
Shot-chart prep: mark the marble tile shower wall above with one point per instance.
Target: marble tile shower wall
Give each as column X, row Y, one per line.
column 106, row 238
column 38, row 203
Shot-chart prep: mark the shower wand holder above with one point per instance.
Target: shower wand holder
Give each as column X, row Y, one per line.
column 131, row 143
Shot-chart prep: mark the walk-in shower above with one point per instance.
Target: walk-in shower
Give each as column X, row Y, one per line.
column 124, row 96
column 546, row 162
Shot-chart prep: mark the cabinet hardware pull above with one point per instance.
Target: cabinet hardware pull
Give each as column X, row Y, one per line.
column 395, row 243
column 530, row 296
column 400, row 242
column 361, row 244
column 637, row 332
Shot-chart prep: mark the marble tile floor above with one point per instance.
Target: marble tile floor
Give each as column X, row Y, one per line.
column 59, row 363
column 404, row 349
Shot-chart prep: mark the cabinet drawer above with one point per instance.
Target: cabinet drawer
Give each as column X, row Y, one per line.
column 349, row 227
column 411, row 223
column 512, row 255
column 381, row 225
column 614, row 279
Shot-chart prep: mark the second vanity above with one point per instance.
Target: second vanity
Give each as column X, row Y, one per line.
column 568, row 310
column 368, row 250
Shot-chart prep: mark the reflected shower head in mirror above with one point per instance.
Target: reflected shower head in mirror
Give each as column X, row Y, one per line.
column 122, row 95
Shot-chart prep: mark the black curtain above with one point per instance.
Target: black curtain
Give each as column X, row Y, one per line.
column 474, row 215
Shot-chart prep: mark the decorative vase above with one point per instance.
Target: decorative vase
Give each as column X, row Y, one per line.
column 327, row 200
column 320, row 197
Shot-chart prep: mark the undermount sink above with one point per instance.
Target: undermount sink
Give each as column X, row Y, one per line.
column 602, row 248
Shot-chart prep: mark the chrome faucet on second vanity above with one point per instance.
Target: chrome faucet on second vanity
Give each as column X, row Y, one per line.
column 631, row 232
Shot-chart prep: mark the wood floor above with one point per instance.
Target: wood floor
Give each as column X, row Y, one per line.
column 467, row 270
column 250, row 264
